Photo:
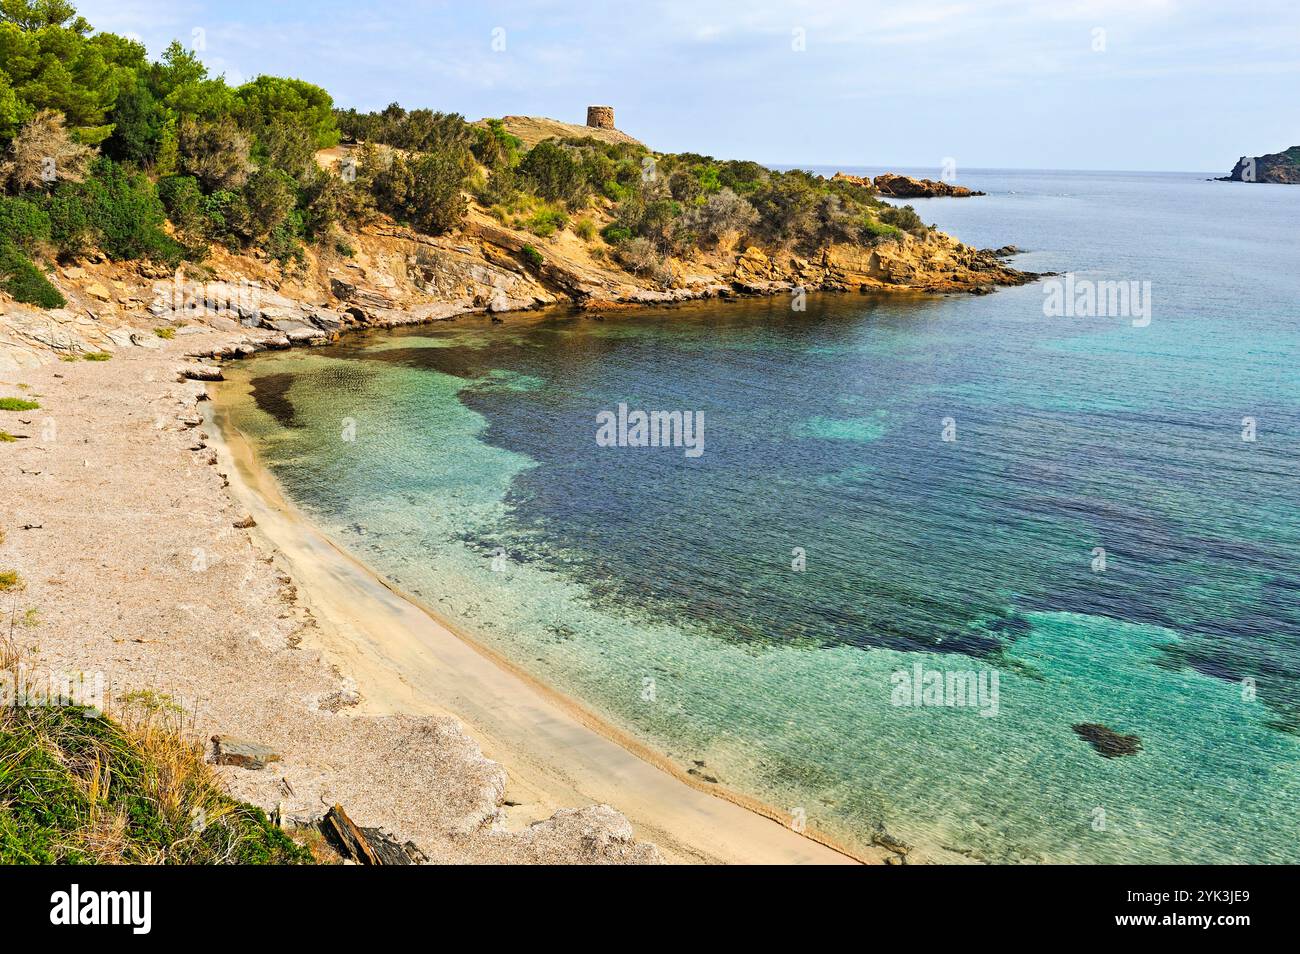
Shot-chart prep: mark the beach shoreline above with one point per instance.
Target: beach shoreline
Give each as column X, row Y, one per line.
column 557, row 753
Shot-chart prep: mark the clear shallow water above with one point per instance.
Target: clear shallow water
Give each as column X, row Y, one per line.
column 823, row 432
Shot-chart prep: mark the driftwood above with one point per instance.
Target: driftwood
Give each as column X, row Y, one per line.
column 366, row 846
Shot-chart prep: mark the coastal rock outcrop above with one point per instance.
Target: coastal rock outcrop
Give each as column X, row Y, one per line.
column 1278, row 167
column 933, row 262
column 906, row 187
column 897, row 186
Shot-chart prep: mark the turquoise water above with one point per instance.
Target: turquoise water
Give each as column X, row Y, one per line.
column 460, row 461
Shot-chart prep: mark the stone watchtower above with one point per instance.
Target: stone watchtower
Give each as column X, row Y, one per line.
column 600, row 117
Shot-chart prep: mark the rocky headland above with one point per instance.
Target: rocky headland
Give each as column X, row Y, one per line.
column 1278, row 167
column 897, row 186
column 394, row 275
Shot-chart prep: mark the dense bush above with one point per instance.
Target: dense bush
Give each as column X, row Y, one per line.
column 115, row 210
column 903, row 217
column 214, row 152
column 554, row 173
column 139, row 125
column 495, row 147
column 721, row 214
column 268, row 199
column 23, row 222
column 547, row 221
column 424, row 191
column 23, row 281
column 274, row 102
column 186, row 205
column 875, row 229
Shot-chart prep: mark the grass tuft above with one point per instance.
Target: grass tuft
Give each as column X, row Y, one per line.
column 96, row 356
column 131, row 789
column 17, row 404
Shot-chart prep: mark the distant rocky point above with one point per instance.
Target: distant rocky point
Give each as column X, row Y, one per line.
column 905, row 187
column 1281, row 167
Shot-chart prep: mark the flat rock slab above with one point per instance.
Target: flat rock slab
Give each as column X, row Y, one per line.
column 249, row 755
column 200, row 372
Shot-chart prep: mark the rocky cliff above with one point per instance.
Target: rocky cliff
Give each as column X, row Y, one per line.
column 1281, row 167
column 391, row 275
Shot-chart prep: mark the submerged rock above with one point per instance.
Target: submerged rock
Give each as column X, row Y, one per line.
column 1108, row 743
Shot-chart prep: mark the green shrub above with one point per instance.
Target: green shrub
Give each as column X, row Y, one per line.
column 118, row 211
column 426, row 191
column 615, row 234
column 585, row 229
column 532, row 256
column 553, row 173
column 17, row 404
column 216, row 153
column 71, row 223
column 269, row 199
column 23, row 281
column 495, row 147
column 501, row 188
column 23, row 222
column 547, row 222
column 435, row 195
column 873, row 229
column 903, row 217
column 186, row 204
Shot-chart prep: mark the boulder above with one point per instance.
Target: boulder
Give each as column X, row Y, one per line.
column 753, row 266
column 328, row 320
column 200, row 372
column 305, row 335
column 228, row 750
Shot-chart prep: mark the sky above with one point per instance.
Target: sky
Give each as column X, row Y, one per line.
column 1073, row 84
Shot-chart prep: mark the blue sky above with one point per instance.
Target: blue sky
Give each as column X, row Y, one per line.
column 1165, row 84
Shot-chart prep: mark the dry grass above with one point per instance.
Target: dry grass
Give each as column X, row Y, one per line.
column 129, row 787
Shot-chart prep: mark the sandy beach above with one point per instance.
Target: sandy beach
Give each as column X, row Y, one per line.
column 122, row 521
